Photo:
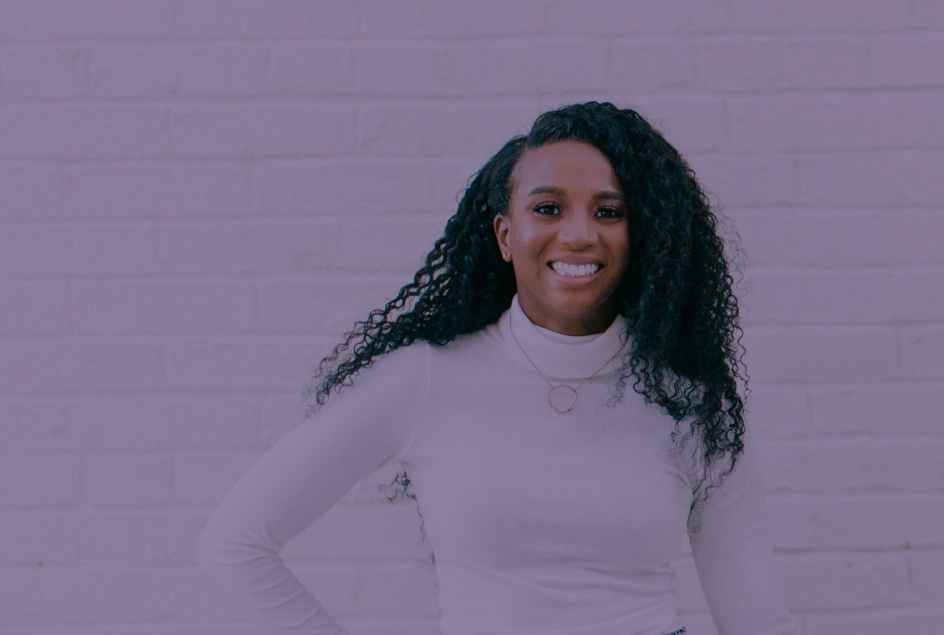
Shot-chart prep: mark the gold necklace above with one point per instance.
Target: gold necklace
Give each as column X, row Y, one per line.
column 562, row 394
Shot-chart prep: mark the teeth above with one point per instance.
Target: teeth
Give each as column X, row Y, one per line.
column 573, row 270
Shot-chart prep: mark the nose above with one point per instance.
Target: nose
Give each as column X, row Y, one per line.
column 577, row 230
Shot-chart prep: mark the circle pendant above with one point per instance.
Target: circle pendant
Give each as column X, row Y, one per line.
column 560, row 399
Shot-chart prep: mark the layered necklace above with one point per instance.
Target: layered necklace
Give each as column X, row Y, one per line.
column 563, row 394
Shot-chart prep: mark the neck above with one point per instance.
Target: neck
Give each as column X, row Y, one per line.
column 557, row 354
column 593, row 325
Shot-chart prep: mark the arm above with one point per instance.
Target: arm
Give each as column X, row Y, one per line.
column 734, row 557
column 360, row 429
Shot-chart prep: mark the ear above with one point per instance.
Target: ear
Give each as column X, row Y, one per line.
column 500, row 224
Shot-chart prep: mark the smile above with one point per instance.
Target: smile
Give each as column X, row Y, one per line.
column 575, row 279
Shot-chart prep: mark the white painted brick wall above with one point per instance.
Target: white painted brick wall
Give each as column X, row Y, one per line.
column 198, row 197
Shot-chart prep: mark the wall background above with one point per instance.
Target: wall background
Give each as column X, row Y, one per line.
column 198, row 197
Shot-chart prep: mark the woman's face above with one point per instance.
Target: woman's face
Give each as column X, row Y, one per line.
column 567, row 207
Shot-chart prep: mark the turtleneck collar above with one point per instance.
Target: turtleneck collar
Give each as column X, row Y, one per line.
column 555, row 354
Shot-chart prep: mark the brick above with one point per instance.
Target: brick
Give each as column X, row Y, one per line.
column 164, row 191
column 923, row 122
column 482, row 70
column 846, row 297
column 46, row 72
column 826, row 63
column 405, row 590
column 300, row 246
column 801, row 124
column 175, row 423
column 70, row 367
column 305, row 69
column 690, row 124
column 102, row 132
column 34, row 426
column 36, row 538
column 128, row 480
column 48, row 309
column 257, row 19
column 398, row 69
column 811, row 236
column 577, row 65
column 913, row 620
column 876, row 179
column 840, row 16
column 922, row 349
column 456, row 70
column 867, row 409
column 221, row 71
column 423, row 131
column 254, row 131
column 652, row 67
column 234, row 363
column 198, row 599
column 415, row 19
column 746, row 181
column 365, row 245
column 926, row 575
column 147, row 537
column 77, row 598
column 31, row 192
column 27, row 252
column 599, row 17
column 927, row 14
column 815, row 354
column 40, row 480
column 854, row 581
column 778, row 413
column 31, row 20
column 90, row 71
column 451, row 177
column 913, row 236
column 738, row 66
column 205, row 480
column 336, row 188
column 175, row 308
column 857, row 521
column 149, row 72
column 911, row 61
column 331, row 307
column 884, row 463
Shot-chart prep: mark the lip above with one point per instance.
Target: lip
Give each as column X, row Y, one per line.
column 577, row 260
column 575, row 281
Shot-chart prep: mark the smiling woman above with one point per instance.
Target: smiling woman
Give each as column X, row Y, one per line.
column 554, row 510
column 568, row 242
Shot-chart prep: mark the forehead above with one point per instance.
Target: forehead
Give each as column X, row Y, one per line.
column 571, row 165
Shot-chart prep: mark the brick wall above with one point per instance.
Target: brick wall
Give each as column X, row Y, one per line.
column 198, row 197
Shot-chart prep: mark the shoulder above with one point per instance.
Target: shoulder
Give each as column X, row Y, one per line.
column 468, row 346
column 401, row 362
column 399, row 379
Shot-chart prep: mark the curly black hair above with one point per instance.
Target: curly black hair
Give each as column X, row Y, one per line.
column 676, row 294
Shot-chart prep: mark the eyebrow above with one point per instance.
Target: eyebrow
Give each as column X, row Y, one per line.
column 548, row 189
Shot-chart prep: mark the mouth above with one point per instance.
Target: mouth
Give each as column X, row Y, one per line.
column 575, row 279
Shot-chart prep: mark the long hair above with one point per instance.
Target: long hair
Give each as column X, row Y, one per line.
column 676, row 295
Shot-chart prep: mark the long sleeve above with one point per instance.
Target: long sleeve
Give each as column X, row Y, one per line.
column 366, row 425
column 734, row 557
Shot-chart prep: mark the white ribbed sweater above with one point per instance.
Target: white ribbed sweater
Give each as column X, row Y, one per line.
column 541, row 522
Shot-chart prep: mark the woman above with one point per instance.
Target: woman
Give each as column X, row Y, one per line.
column 582, row 253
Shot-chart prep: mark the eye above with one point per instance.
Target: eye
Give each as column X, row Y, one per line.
column 538, row 208
column 609, row 212
column 613, row 212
